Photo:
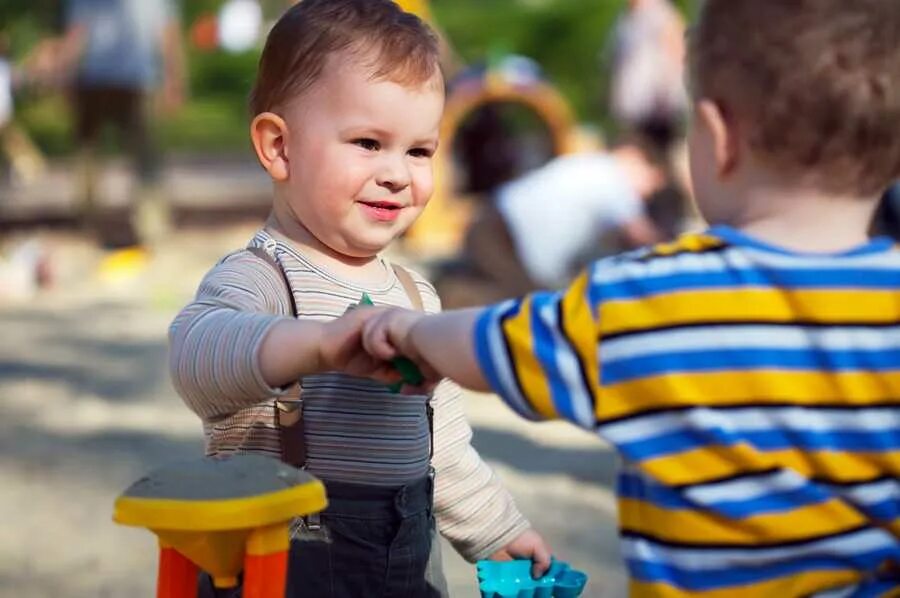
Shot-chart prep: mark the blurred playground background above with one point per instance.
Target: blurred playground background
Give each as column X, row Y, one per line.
column 87, row 289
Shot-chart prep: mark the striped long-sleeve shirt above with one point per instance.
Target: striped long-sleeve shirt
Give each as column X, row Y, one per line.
column 356, row 430
column 754, row 395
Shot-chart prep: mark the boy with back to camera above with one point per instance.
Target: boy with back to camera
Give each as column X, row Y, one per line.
column 749, row 375
column 346, row 109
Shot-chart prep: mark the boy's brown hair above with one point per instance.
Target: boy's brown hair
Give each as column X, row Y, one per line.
column 813, row 84
column 405, row 49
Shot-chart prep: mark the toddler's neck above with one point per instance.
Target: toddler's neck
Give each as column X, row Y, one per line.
column 805, row 221
column 362, row 270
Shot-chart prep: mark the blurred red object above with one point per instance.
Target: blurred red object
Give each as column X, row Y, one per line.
column 205, row 32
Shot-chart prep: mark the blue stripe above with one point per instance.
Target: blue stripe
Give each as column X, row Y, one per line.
column 886, row 510
column 719, row 360
column 743, row 278
column 765, row 440
column 594, row 290
column 633, row 487
column 489, row 319
column 876, row 589
column 545, row 351
column 711, row 579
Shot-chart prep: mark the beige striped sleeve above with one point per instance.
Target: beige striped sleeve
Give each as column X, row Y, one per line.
column 474, row 510
column 214, row 342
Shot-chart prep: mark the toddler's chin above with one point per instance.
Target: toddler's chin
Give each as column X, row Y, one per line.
column 364, row 248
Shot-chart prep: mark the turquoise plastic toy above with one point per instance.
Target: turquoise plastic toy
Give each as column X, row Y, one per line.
column 409, row 372
column 512, row 579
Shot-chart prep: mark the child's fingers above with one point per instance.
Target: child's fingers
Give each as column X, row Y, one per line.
column 540, row 561
column 376, row 342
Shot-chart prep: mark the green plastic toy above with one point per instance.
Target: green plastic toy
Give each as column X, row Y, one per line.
column 409, row 372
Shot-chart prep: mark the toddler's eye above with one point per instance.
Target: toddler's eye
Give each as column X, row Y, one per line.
column 421, row 152
column 367, row 144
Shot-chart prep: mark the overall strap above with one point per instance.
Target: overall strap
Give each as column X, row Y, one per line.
column 412, row 291
column 288, row 413
column 409, row 287
column 273, row 262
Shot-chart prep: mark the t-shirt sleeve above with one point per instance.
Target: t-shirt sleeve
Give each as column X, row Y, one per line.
column 539, row 353
column 215, row 341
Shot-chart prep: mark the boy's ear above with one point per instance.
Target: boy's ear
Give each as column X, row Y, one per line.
column 268, row 132
column 723, row 133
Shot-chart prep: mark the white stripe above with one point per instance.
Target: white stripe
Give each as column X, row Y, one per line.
column 869, row 494
column 746, row 489
column 719, row 558
column 712, row 338
column 753, row 419
column 500, row 359
column 737, row 259
column 659, row 267
column 845, row 592
column 569, row 367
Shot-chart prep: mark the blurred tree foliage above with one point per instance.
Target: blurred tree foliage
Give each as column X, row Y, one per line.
column 568, row 38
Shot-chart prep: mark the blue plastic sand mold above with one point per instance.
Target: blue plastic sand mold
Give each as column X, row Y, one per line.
column 512, row 579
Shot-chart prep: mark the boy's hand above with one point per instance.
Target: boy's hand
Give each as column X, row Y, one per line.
column 527, row 545
column 386, row 335
column 341, row 348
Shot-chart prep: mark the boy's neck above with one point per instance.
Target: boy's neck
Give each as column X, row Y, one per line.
column 804, row 220
column 288, row 227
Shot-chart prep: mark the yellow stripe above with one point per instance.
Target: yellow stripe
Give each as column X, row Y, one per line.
column 739, row 387
column 710, row 463
column 532, row 379
column 580, row 328
column 749, row 304
column 801, row 584
column 692, row 243
column 695, row 527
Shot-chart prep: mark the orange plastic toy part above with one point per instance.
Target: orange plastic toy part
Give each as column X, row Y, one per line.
column 177, row 576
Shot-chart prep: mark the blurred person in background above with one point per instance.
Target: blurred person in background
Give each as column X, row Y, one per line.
column 543, row 226
column 120, row 53
column 647, row 94
column 25, row 162
column 648, row 51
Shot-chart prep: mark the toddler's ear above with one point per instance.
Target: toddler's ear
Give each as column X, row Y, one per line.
column 268, row 132
column 723, row 132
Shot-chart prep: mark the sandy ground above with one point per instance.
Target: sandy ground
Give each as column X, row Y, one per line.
column 86, row 407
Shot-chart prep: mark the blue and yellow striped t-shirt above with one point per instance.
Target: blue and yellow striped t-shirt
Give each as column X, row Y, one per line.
column 754, row 395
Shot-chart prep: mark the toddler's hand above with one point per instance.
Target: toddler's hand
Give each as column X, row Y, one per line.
column 341, row 348
column 386, row 335
column 527, row 545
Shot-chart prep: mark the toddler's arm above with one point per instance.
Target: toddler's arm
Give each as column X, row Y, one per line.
column 237, row 344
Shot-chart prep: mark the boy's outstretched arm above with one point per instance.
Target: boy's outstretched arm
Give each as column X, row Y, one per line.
column 441, row 344
column 539, row 353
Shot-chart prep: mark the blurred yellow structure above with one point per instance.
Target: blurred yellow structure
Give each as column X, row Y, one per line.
column 222, row 516
column 419, row 8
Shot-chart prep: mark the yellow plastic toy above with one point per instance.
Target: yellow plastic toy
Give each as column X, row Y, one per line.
column 224, row 516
